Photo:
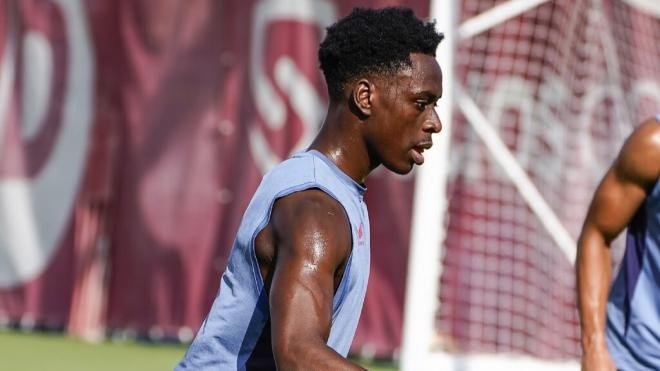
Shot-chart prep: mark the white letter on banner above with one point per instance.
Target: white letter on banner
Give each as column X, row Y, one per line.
column 305, row 101
column 35, row 211
column 513, row 93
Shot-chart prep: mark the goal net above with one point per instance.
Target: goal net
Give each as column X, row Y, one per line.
column 544, row 94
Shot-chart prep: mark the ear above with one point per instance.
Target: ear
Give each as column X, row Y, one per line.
column 362, row 96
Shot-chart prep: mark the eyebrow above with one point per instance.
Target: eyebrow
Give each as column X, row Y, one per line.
column 427, row 94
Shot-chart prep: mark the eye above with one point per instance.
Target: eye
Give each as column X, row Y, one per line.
column 421, row 104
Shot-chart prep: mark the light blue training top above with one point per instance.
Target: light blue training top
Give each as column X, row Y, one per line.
column 236, row 333
column 633, row 309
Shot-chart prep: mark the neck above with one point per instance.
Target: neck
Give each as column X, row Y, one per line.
column 340, row 139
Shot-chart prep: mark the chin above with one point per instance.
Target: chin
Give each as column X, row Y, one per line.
column 401, row 169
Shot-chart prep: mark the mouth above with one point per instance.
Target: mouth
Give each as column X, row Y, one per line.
column 417, row 152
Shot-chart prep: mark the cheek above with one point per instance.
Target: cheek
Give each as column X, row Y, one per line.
column 408, row 126
column 400, row 127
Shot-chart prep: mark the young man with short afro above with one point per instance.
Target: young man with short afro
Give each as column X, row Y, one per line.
column 291, row 295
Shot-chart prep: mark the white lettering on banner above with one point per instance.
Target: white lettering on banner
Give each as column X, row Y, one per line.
column 304, row 98
column 538, row 122
column 650, row 7
column 592, row 100
column 37, row 84
column 35, row 211
column 513, row 94
column 7, row 70
column 645, row 89
column 554, row 94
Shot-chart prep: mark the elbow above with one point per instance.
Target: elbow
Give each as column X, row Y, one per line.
column 309, row 355
column 286, row 362
column 289, row 355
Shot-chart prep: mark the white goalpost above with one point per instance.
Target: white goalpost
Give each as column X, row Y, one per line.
column 430, row 205
column 535, row 102
column 429, row 210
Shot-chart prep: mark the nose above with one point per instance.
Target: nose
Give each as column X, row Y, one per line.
column 433, row 124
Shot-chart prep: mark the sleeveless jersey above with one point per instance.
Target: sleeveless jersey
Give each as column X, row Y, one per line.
column 633, row 308
column 236, row 333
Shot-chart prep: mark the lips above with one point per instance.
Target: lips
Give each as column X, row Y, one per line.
column 418, row 150
column 417, row 156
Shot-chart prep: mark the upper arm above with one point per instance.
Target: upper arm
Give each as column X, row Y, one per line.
column 313, row 240
column 625, row 185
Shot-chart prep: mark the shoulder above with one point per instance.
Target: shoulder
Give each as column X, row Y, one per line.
column 311, row 216
column 639, row 159
column 310, row 202
column 647, row 134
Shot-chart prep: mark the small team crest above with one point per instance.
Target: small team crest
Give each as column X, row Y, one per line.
column 360, row 234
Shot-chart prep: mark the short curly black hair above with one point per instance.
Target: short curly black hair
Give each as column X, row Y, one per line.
column 373, row 41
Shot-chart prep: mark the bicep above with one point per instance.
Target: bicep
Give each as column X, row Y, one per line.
column 312, row 242
column 624, row 187
column 615, row 202
column 300, row 299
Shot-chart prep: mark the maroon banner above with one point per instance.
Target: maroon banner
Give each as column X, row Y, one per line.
column 160, row 118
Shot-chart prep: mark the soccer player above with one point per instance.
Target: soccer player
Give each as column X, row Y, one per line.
column 291, row 295
column 623, row 334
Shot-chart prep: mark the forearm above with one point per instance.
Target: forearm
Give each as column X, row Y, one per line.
column 593, row 267
column 311, row 356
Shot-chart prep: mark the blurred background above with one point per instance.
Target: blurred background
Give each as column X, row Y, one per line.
column 133, row 134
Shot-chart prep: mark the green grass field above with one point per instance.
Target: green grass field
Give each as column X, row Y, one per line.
column 21, row 351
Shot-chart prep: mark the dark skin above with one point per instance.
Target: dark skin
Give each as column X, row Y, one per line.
column 621, row 192
column 303, row 250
